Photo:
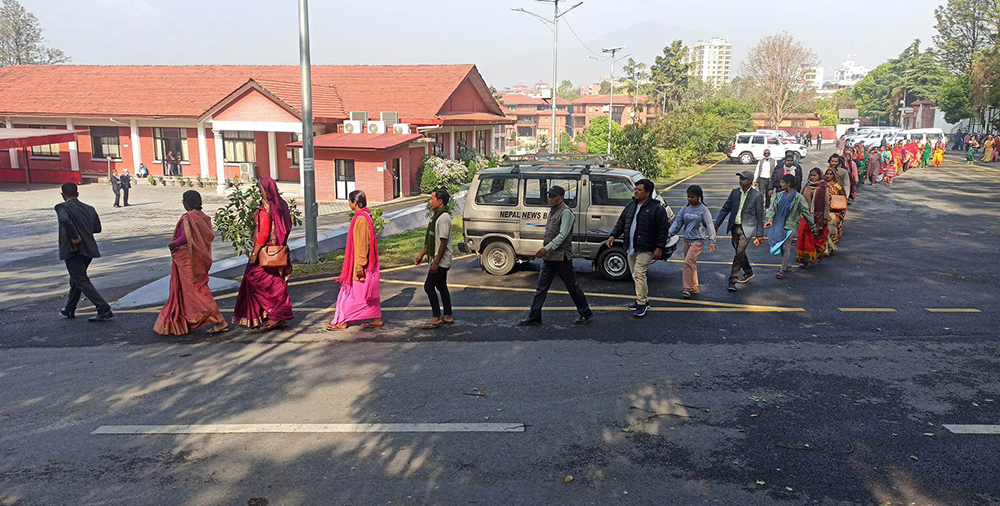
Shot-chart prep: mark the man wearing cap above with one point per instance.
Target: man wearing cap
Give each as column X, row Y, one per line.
column 557, row 259
column 745, row 208
column 762, row 176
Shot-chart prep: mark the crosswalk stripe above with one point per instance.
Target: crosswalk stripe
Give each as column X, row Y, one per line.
column 305, row 428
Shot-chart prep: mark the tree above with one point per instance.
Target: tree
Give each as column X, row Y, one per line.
column 954, row 99
column 964, row 27
column 911, row 76
column 567, row 91
column 829, row 108
column 566, row 144
column 669, row 73
column 605, row 87
column 597, row 134
column 21, row 38
column 773, row 71
column 985, row 84
column 634, row 148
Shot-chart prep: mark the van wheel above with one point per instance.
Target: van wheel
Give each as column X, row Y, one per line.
column 498, row 258
column 612, row 264
column 746, row 158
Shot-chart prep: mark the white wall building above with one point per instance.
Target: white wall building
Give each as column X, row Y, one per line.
column 711, row 61
column 849, row 73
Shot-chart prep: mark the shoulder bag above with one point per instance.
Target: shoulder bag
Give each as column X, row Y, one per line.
column 273, row 255
column 838, row 203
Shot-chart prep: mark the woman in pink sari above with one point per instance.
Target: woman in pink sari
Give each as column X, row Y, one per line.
column 263, row 299
column 359, row 278
column 190, row 305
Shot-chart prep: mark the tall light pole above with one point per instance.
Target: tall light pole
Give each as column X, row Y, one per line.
column 308, row 155
column 611, row 103
column 553, row 25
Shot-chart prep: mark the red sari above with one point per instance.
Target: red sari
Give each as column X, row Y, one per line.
column 190, row 304
column 810, row 245
column 263, row 296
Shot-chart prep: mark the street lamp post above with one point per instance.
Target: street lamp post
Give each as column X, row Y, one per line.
column 553, row 25
column 308, row 154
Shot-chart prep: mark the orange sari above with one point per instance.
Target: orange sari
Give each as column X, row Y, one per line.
column 190, row 304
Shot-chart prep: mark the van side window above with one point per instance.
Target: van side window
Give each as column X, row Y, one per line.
column 743, row 139
column 536, row 190
column 497, row 191
column 610, row 191
column 758, row 139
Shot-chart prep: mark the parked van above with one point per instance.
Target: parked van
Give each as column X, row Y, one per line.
column 920, row 134
column 507, row 207
column 748, row 147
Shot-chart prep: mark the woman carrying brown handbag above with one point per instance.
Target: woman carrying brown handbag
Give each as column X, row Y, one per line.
column 263, row 299
column 838, row 210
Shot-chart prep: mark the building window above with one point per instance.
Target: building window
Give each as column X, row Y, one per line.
column 295, row 151
column 170, row 140
column 45, row 150
column 239, row 147
column 482, row 140
column 462, row 139
column 438, row 148
column 104, row 143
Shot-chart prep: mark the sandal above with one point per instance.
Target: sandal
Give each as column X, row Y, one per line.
column 432, row 325
column 340, row 326
column 218, row 331
column 779, row 276
column 686, row 294
column 448, row 320
column 273, row 326
column 372, row 324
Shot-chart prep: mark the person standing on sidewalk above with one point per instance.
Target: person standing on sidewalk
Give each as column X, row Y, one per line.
column 78, row 223
column 116, row 186
column 126, row 182
column 557, row 259
column 438, row 250
column 762, row 176
column 788, row 209
column 695, row 220
column 819, row 141
column 745, row 208
column 645, row 226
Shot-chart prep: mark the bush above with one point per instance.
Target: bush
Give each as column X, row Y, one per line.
column 442, row 172
column 428, row 180
column 634, row 148
column 235, row 220
column 378, row 220
column 151, row 180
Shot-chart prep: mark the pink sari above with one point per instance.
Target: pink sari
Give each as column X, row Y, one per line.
column 359, row 300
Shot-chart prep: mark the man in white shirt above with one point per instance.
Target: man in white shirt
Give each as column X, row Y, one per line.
column 762, row 176
column 438, row 249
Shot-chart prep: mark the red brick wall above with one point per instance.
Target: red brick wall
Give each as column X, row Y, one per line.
column 412, row 184
column 465, row 98
column 367, row 178
column 254, row 106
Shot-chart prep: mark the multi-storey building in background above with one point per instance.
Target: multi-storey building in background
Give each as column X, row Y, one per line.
column 711, row 61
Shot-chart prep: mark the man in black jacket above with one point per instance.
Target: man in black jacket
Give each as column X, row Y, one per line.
column 126, row 182
column 745, row 208
column 645, row 225
column 78, row 223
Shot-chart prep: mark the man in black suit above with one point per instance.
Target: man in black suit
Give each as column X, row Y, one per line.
column 116, row 186
column 78, row 223
column 126, row 182
column 745, row 208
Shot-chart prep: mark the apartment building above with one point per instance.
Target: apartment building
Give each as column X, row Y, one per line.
column 711, row 61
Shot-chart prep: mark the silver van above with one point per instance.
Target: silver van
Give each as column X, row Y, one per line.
column 507, row 208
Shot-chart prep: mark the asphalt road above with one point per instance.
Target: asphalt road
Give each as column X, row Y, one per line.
column 785, row 392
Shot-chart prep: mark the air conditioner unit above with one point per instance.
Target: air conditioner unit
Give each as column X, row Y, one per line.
column 361, row 116
column 353, row 127
column 376, row 127
column 390, row 118
column 401, row 128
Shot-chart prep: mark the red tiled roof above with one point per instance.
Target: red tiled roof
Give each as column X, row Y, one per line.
column 416, row 92
column 359, row 141
column 516, row 99
column 468, row 118
column 326, row 102
column 604, row 99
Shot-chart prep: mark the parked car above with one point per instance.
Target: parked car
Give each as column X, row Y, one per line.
column 782, row 135
column 863, row 133
column 749, row 147
column 874, row 139
column 507, row 207
column 918, row 134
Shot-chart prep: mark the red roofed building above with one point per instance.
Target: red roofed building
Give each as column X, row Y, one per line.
column 588, row 107
column 533, row 120
column 221, row 119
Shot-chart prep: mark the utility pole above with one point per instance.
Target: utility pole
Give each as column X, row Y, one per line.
column 611, row 104
column 308, row 154
column 553, row 25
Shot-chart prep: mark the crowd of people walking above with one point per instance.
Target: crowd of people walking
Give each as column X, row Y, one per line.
column 971, row 143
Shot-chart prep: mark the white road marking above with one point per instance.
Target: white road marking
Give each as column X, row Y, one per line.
column 289, row 428
column 973, row 429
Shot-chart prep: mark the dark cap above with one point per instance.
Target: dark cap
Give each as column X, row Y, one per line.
column 747, row 174
column 557, row 191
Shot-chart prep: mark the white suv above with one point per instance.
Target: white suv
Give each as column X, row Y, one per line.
column 749, row 147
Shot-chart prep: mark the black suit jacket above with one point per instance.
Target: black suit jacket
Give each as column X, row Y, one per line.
column 126, row 180
column 77, row 219
column 752, row 217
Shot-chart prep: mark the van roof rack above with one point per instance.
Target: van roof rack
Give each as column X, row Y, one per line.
column 559, row 159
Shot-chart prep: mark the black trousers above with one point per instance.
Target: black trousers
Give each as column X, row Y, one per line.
column 125, row 196
column 117, row 195
column 79, row 283
column 740, row 261
column 438, row 283
column 564, row 269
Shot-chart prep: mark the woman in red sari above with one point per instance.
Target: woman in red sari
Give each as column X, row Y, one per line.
column 190, row 305
column 263, row 299
column 359, row 278
column 812, row 242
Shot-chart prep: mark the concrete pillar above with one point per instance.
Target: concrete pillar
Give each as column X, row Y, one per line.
column 15, row 162
column 474, row 140
column 454, row 150
column 272, row 154
column 203, row 150
column 220, row 164
column 136, row 148
column 74, row 152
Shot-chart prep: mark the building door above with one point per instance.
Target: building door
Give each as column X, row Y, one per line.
column 344, row 178
column 397, row 179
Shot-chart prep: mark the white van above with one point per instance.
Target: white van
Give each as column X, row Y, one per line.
column 748, row 147
column 919, row 134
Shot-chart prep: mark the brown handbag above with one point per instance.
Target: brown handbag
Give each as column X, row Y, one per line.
column 273, row 255
column 838, row 203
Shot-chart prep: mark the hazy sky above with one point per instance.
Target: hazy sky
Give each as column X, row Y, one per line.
column 507, row 46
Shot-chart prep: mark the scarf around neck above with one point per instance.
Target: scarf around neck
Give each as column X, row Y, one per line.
column 429, row 241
